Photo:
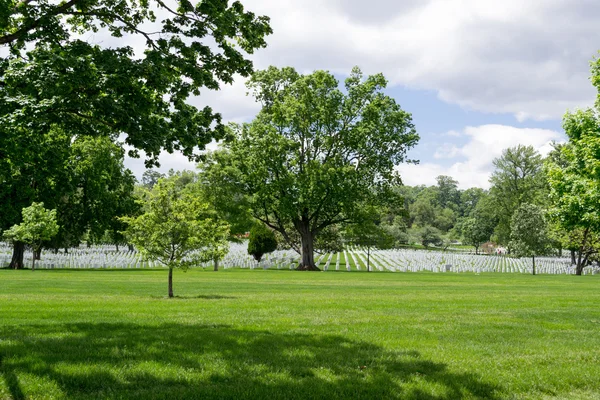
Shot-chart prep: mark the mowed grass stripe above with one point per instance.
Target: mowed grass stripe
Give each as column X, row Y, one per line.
column 287, row 334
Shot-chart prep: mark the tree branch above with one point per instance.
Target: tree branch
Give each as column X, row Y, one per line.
column 34, row 24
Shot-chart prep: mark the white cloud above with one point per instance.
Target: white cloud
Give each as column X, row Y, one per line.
column 473, row 161
column 528, row 58
column 447, row 150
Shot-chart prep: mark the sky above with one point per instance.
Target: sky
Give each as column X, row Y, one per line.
column 478, row 76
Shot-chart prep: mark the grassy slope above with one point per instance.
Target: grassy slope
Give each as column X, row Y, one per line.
column 284, row 334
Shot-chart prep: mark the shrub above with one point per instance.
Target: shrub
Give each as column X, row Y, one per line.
column 261, row 240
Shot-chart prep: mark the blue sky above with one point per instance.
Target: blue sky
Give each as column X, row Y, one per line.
column 478, row 76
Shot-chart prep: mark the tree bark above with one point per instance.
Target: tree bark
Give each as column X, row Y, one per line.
column 117, row 244
column 216, row 264
column 17, row 258
column 130, row 247
column 37, row 254
column 307, row 251
column 33, row 259
column 533, row 259
column 170, row 282
column 573, row 261
column 368, row 259
column 579, row 267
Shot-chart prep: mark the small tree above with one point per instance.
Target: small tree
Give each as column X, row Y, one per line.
column 529, row 232
column 262, row 240
column 176, row 229
column 39, row 224
column 474, row 233
column 479, row 226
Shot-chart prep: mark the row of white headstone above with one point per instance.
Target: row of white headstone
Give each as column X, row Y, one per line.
column 356, row 258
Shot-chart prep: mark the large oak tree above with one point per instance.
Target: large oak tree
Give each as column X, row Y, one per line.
column 317, row 155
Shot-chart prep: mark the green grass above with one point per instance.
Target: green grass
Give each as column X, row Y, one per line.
column 241, row 334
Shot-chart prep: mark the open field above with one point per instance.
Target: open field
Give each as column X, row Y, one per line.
column 285, row 334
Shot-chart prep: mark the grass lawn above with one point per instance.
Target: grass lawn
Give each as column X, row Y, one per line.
column 240, row 334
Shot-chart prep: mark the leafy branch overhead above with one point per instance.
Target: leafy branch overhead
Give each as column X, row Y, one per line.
column 51, row 77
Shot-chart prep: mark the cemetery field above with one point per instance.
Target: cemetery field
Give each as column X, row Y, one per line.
column 280, row 334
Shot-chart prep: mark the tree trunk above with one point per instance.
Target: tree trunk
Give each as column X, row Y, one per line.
column 17, row 258
column 66, row 250
column 130, row 247
column 117, row 244
column 34, row 258
column 170, row 282
column 579, row 267
column 533, row 259
column 37, row 254
column 307, row 251
column 216, row 263
column 368, row 259
column 573, row 261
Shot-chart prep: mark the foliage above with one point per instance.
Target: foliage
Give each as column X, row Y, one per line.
column 574, row 180
column 469, row 199
column 33, row 169
column 518, row 178
column 260, row 241
column 82, row 177
column 448, row 193
column 104, row 187
column 38, row 224
column 150, row 177
column 176, row 229
column 315, row 156
column 52, row 76
column 370, row 233
column 479, row 226
column 529, row 234
column 430, row 235
column 218, row 182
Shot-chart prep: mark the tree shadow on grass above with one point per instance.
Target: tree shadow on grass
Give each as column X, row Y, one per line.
column 11, row 380
column 178, row 361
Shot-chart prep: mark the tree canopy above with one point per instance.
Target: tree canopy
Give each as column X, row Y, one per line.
column 176, row 229
column 529, row 232
column 51, row 77
column 574, row 179
column 518, row 178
